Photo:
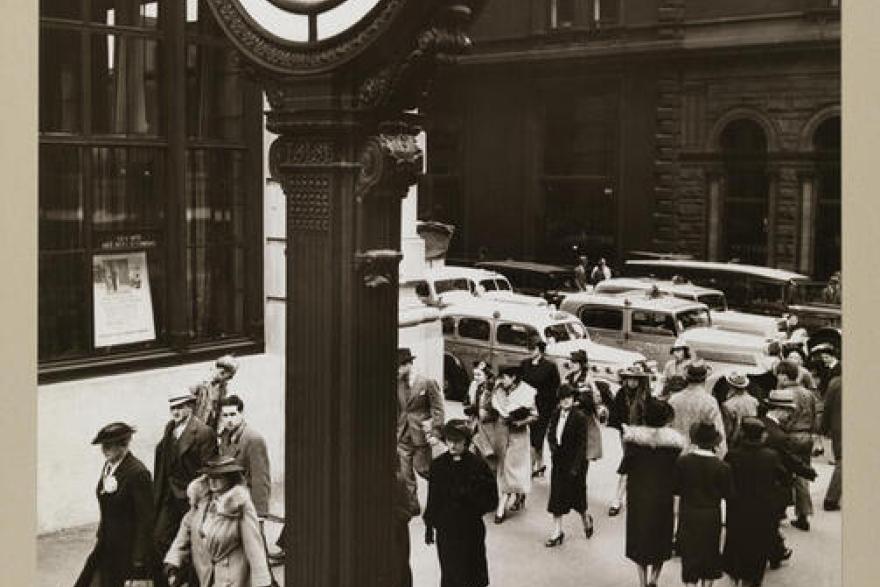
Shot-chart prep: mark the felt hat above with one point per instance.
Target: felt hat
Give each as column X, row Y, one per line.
column 221, row 465
column 697, row 371
column 179, row 398
column 704, row 434
column 227, row 362
column 674, row 384
column 824, row 347
column 564, row 391
column 752, row 428
column 512, row 370
column 115, row 432
column 579, row 356
column 657, row 412
column 679, row 344
column 456, row 429
column 404, row 356
column 737, row 379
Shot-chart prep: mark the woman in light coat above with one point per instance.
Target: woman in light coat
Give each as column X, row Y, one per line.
column 220, row 535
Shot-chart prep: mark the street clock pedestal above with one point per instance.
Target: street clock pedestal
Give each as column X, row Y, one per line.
column 341, row 78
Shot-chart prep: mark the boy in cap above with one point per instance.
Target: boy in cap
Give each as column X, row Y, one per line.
column 186, row 446
column 420, row 419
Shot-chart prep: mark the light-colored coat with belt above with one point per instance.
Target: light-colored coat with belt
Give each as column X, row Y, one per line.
column 221, row 537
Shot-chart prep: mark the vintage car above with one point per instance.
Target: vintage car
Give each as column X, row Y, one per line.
column 551, row 282
column 750, row 288
column 498, row 332
column 651, row 324
column 722, row 317
column 451, row 284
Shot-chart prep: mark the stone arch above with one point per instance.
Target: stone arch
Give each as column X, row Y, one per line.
column 771, row 132
column 805, row 139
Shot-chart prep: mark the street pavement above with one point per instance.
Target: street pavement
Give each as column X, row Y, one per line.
column 517, row 556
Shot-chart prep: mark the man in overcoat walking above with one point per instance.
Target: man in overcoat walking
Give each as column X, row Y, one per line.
column 419, row 421
column 186, row 446
column 541, row 374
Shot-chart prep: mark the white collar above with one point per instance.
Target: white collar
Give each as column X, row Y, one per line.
column 703, row 452
column 109, row 472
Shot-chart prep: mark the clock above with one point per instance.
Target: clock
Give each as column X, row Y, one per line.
column 306, row 37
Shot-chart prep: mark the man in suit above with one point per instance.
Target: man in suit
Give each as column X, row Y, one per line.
column 124, row 551
column 419, row 421
column 541, row 374
column 186, row 446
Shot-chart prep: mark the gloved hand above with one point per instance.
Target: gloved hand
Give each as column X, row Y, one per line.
column 429, row 535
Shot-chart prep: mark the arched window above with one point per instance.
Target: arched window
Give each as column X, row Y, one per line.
column 745, row 218
column 826, row 250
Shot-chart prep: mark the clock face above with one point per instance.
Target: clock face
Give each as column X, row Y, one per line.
column 307, row 21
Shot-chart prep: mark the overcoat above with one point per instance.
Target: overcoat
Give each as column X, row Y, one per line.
column 757, row 471
column 421, row 403
column 221, row 538
column 124, row 549
column 649, row 464
column 568, row 477
column 248, row 448
column 544, row 377
column 460, row 492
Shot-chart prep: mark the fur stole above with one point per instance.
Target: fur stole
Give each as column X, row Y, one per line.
column 230, row 504
column 649, row 437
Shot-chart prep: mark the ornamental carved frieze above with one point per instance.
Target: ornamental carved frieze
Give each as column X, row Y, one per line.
column 286, row 151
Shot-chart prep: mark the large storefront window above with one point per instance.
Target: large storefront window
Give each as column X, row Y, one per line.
column 145, row 233
column 744, row 147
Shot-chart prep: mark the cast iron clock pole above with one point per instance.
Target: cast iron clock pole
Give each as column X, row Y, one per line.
column 345, row 156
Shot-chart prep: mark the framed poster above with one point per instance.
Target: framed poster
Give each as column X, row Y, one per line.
column 123, row 305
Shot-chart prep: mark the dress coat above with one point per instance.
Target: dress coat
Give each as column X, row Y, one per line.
column 124, row 549
column 248, row 448
column 544, row 377
column 648, row 462
column 421, row 402
column 702, row 480
column 221, row 538
column 568, row 476
column 584, row 383
column 756, row 471
column 460, row 491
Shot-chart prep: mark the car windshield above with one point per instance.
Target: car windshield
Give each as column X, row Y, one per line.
column 715, row 301
column 813, row 292
column 503, row 284
column 693, row 318
column 564, row 331
column 445, row 285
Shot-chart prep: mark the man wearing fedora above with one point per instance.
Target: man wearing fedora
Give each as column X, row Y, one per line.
column 541, row 374
column 123, row 555
column 695, row 404
column 420, row 420
column 186, row 446
column 741, row 404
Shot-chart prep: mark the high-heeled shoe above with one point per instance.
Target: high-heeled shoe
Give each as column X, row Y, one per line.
column 499, row 519
column 588, row 526
column 519, row 503
column 556, row 541
column 613, row 510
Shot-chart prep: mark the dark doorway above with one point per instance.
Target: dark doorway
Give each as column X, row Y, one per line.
column 745, row 219
column 826, row 255
column 580, row 175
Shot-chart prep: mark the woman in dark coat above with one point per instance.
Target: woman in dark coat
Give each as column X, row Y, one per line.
column 702, row 480
column 125, row 497
column 650, row 454
column 567, row 437
column 628, row 408
column 758, row 474
column 461, row 489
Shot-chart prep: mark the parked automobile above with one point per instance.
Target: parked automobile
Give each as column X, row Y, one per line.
column 651, row 324
column 498, row 332
column 722, row 316
column 749, row 288
column 450, row 284
column 552, row 282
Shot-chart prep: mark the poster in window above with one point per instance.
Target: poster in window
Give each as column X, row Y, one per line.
column 123, row 305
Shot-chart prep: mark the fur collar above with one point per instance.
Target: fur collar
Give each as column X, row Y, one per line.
column 229, row 504
column 653, row 437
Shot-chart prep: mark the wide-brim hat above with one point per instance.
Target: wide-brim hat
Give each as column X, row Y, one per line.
column 179, row 398
column 115, row 432
column 697, row 371
column 705, row 434
column 565, row 391
column 658, row 413
column 579, row 356
column 823, row 347
column 227, row 362
column 456, row 429
column 221, row 466
column 404, row 356
column 737, row 379
column 752, row 428
column 512, row 370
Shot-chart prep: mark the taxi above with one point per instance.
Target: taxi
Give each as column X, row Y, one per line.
column 722, row 316
column 650, row 323
column 450, row 284
column 498, row 333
